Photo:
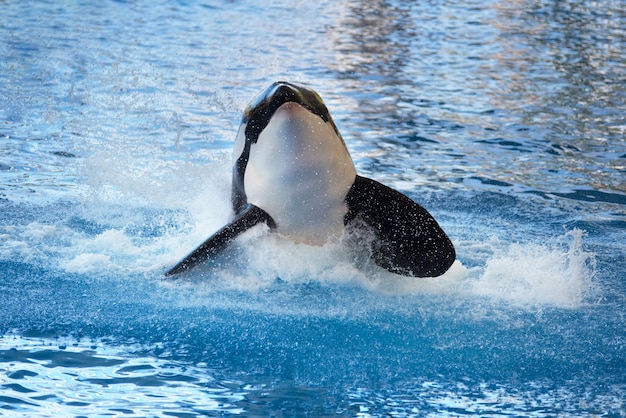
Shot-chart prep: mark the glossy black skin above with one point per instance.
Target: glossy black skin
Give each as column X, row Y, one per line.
column 217, row 242
column 406, row 239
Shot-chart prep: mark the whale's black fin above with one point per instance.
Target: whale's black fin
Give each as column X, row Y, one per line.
column 245, row 220
column 408, row 239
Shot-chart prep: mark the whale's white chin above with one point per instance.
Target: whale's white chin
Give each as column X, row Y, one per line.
column 299, row 172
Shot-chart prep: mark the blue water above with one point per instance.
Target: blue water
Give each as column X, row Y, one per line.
column 505, row 119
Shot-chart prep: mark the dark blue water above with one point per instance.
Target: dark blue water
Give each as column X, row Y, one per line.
column 505, row 119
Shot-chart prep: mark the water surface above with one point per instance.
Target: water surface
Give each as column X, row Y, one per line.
column 504, row 119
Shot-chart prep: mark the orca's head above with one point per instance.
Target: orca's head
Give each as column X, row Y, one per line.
column 262, row 108
column 288, row 110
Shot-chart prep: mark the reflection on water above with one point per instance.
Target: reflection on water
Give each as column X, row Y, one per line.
column 84, row 378
column 505, row 118
column 502, row 90
column 525, row 93
column 571, row 57
column 77, row 377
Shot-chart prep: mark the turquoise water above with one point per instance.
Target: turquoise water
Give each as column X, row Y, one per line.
column 504, row 119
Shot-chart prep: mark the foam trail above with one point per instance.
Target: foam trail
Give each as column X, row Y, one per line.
column 128, row 218
column 538, row 274
column 527, row 274
column 148, row 221
column 558, row 274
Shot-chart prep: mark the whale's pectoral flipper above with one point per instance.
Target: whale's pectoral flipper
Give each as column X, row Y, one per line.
column 246, row 219
column 408, row 239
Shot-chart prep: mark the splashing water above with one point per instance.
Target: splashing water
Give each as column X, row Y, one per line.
column 539, row 274
column 503, row 119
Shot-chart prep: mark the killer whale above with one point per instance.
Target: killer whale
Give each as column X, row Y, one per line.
column 293, row 172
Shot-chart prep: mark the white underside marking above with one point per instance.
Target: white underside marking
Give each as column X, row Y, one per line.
column 300, row 172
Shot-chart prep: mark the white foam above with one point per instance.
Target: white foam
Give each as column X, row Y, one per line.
column 195, row 191
column 530, row 274
column 193, row 200
column 272, row 256
column 88, row 262
column 559, row 274
column 27, row 243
